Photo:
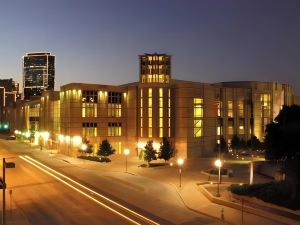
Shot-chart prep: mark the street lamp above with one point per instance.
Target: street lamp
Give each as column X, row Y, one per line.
column 83, row 147
column 180, row 162
column 218, row 163
column 45, row 136
column 126, row 153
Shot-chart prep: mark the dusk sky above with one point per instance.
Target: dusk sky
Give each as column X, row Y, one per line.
column 210, row 41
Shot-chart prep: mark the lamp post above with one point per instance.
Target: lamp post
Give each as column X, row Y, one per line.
column 126, row 153
column 83, row 147
column 218, row 163
column 180, row 162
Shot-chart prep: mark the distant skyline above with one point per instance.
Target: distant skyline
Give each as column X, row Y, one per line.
column 210, row 41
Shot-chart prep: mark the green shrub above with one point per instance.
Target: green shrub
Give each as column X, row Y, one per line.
column 274, row 192
column 95, row 158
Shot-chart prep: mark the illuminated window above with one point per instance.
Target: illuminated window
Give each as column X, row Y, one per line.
column 118, row 147
column 198, row 117
column 89, row 103
column 114, row 110
column 141, row 125
column 155, row 69
column 89, row 129
column 150, row 92
column 161, row 112
column 150, row 112
column 229, row 109
column 230, row 127
column 265, row 110
column 241, row 108
column 219, row 108
column 198, row 128
column 169, row 112
column 218, row 130
column 89, row 110
column 114, row 129
column 241, row 130
column 114, row 107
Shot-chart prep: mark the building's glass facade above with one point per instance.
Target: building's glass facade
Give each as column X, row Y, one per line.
column 38, row 74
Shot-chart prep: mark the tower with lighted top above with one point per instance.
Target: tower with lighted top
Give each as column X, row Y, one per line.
column 154, row 97
column 155, row 68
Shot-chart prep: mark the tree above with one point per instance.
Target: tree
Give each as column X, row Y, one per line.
column 105, row 149
column 282, row 143
column 254, row 144
column 235, row 143
column 242, row 145
column 283, row 135
column 222, row 147
column 149, row 152
column 166, row 150
column 88, row 149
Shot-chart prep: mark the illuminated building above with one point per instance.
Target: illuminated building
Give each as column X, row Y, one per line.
column 38, row 74
column 9, row 93
column 193, row 115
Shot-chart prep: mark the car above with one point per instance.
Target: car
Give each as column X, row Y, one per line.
column 11, row 137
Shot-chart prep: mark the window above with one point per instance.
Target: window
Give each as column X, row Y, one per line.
column 114, row 129
column 89, row 103
column 161, row 112
column 141, row 131
column 198, row 117
column 230, row 127
column 241, row 126
column 89, row 129
column 169, row 113
column 265, row 110
column 115, row 97
column 89, row 110
column 219, row 108
column 89, row 96
column 198, row 107
column 230, row 109
column 241, row 108
column 150, row 112
column 114, row 104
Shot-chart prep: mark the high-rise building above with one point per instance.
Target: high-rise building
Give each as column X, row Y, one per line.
column 38, row 73
column 9, row 93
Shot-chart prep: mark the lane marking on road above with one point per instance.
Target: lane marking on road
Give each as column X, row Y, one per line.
column 92, row 192
column 81, row 192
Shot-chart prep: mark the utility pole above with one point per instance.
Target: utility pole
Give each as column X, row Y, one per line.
column 3, row 184
column 3, row 193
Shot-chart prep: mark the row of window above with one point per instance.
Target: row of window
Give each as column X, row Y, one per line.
column 90, row 110
column 91, row 96
column 90, row 129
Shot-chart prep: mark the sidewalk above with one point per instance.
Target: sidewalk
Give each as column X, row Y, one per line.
column 186, row 205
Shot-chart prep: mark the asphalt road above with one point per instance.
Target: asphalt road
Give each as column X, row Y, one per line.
column 135, row 192
column 38, row 198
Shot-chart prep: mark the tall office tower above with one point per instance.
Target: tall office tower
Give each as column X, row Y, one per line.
column 9, row 93
column 155, row 68
column 38, row 73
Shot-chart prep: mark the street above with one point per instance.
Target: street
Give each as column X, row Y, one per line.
column 34, row 197
column 127, row 189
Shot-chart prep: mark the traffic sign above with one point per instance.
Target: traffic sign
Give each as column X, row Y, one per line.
column 10, row 165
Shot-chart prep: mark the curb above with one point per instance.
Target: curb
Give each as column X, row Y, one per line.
column 247, row 209
column 195, row 210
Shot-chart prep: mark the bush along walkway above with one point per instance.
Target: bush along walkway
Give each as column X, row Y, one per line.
column 243, row 205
